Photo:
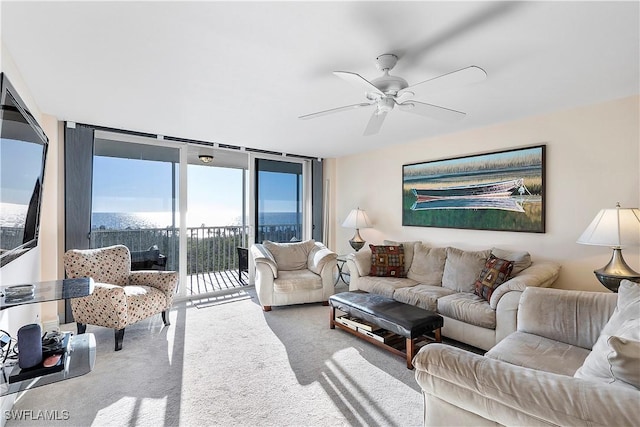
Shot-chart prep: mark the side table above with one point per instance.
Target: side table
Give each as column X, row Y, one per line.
column 79, row 360
column 343, row 271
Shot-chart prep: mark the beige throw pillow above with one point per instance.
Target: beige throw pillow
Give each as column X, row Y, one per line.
column 427, row 266
column 290, row 256
column 462, row 268
column 408, row 251
column 520, row 259
column 615, row 357
column 624, row 360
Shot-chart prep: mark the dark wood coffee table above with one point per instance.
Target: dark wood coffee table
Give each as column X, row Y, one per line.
column 404, row 320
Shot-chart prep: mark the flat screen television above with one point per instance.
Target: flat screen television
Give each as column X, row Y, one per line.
column 23, row 151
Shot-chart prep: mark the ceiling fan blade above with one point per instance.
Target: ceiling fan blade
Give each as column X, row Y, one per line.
column 404, row 96
column 433, row 111
column 334, row 110
column 358, row 80
column 456, row 78
column 375, row 123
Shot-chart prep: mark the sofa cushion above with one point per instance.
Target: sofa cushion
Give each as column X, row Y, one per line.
column 423, row 296
column 290, row 256
column 540, row 353
column 496, row 271
column 462, row 268
column 428, row 265
column 408, row 251
column 387, row 261
column 385, row 286
column 521, row 259
column 467, row 308
column 297, row 280
column 613, row 351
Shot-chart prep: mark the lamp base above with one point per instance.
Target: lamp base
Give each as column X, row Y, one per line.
column 357, row 242
column 615, row 271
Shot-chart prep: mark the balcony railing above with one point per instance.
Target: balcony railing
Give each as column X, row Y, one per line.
column 212, row 254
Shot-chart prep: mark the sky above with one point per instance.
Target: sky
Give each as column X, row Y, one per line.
column 214, row 193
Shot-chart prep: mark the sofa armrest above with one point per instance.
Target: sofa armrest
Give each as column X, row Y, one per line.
column 166, row 281
column 105, row 298
column 262, row 255
column 540, row 274
column 319, row 257
column 514, row 395
column 359, row 265
column 572, row 317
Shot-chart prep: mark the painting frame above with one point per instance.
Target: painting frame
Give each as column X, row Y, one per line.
column 497, row 191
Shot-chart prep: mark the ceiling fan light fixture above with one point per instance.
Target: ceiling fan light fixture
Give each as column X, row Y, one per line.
column 206, row 158
column 385, row 105
column 387, row 91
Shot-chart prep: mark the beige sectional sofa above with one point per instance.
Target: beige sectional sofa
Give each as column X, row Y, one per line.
column 442, row 280
column 574, row 360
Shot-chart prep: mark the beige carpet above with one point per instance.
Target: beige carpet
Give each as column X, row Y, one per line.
column 228, row 363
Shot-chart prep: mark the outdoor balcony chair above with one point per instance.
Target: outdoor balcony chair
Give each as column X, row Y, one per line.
column 121, row 297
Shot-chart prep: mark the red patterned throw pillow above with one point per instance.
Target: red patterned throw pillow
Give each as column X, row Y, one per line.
column 387, row 261
column 496, row 271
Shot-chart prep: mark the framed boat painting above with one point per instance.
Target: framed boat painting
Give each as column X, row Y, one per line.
column 501, row 191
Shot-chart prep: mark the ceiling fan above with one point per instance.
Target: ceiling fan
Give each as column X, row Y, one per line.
column 387, row 91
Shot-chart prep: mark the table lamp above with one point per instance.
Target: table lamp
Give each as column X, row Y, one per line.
column 357, row 219
column 616, row 228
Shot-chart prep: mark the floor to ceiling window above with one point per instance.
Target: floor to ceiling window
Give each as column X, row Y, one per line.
column 279, row 201
column 135, row 198
column 200, row 206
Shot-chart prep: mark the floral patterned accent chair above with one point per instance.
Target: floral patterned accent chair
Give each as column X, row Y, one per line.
column 121, row 297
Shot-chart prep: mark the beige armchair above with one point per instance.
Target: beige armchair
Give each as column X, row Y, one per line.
column 293, row 273
column 121, row 297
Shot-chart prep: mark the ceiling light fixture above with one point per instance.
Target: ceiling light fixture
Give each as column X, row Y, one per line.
column 205, row 158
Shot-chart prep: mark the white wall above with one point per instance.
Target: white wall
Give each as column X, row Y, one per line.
column 27, row 268
column 592, row 162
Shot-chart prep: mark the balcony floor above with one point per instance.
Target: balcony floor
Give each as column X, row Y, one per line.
column 202, row 283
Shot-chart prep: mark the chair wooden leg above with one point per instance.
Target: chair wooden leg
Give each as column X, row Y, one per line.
column 165, row 318
column 119, row 334
column 82, row 327
column 266, row 308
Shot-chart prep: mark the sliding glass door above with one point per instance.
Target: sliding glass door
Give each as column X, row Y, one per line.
column 195, row 208
column 135, row 201
column 216, row 220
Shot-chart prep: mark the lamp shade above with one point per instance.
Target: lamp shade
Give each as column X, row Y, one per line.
column 615, row 228
column 357, row 219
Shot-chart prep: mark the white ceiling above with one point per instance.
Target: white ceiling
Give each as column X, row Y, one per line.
column 241, row 73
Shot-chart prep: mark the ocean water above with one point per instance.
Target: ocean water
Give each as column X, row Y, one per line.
column 136, row 220
column 12, row 215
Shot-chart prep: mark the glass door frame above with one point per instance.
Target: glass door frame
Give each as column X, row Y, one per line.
column 250, row 193
column 182, row 191
column 307, row 219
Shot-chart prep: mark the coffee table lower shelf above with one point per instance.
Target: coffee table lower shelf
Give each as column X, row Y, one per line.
column 408, row 347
